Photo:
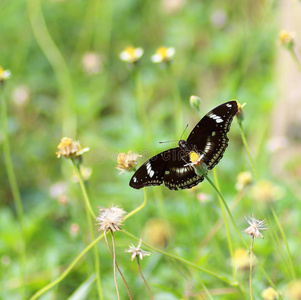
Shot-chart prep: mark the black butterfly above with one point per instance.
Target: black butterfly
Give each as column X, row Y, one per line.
column 208, row 138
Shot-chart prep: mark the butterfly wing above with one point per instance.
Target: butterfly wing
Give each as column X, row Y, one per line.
column 169, row 167
column 210, row 135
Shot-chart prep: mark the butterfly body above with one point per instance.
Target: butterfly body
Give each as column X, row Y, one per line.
column 174, row 167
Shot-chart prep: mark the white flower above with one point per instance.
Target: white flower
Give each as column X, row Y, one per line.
column 4, row 74
column 110, row 218
column 255, row 227
column 131, row 54
column 137, row 252
column 92, row 63
column 163, row 54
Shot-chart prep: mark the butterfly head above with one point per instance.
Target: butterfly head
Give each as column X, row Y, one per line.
column 183, row 145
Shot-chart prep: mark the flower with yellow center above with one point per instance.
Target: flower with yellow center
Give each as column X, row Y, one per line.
column 163, row 55
column 197, row 163
column 266, row 192
column 4, row 75
column 127, row 162
column 269, row 294
column 243, row 179
column 70, row 149
column 287, row 39
column 131, row 54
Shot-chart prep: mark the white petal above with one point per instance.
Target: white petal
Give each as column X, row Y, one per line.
column 138, row 52
column 156, row 58
column 170, row 52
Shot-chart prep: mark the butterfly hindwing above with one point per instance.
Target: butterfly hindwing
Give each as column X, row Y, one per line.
column 209, row 136
column 169, row 167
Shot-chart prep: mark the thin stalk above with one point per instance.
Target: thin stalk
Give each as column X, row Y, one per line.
column 15, row 191
column 114, row 262
column 293, row 274
column 59, row 65
column 227, row 208
column 247, row 149
column 88, row 212
column 295, row 58
column 227, row 227
column 206, row 290
column 251, row 265
column 138, row 208
column 126, row 285
column 147, row 287
column 67, row 271
column 220, row 277
column 83, row 188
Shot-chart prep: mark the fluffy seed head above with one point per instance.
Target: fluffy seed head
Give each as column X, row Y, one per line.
column 255, row 227
column 137, row 251
column 110, row 218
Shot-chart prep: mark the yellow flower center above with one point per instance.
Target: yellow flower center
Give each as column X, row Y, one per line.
column 194, row 157
column 162, row 51
column 1, row 71
column 131, row 51
column 285, row 37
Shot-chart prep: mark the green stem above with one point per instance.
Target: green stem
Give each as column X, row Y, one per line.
column 251, row 265
column 88, row 212
column 247, row 149
column 144, row 280
column 227, row 227
column 222, row 278
column 15, row 191
column 83, row 188
column 76, row 260
column 59, row 65
column 295, row 58
column 138, row 208
column 227, row 208
column 67, row 271
column 286, row 244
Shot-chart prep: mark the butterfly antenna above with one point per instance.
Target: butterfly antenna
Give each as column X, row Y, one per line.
column 184, row 131
column 167, row 142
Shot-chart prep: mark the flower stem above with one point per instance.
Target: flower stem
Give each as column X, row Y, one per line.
column 90, row 212
column 227, row 208
column 222, row 278
column 247, row 149
column 126, row 285
column 295, row 58
column 227, row 227
column 114, row 262
column 251, row 265
column 83, row 187
column 139, row 268
column 286, row 244
column 15, row 191
column 59, row 65
column 138, row 208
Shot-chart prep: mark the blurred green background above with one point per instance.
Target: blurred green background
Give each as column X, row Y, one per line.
column 68, row 80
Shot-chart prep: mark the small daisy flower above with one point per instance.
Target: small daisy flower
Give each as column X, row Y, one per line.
column 163, row 55
column 92, row 63
column 241, row 259
column 127, row 162
column 70, row 149
column 137, row 251
column 21, row 95
column 110, row 218
column 4, row 75
column 287, row 39
column 243, row 179
column 269, row 294
column 195, row 102
column 255, row 227
column 293, row 291
column 157, row 232
column 131, row 55
column 266, row 192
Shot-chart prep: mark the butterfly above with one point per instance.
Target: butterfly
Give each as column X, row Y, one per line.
column 174, row 167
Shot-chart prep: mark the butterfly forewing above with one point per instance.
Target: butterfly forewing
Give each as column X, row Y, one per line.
column 209, row 136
